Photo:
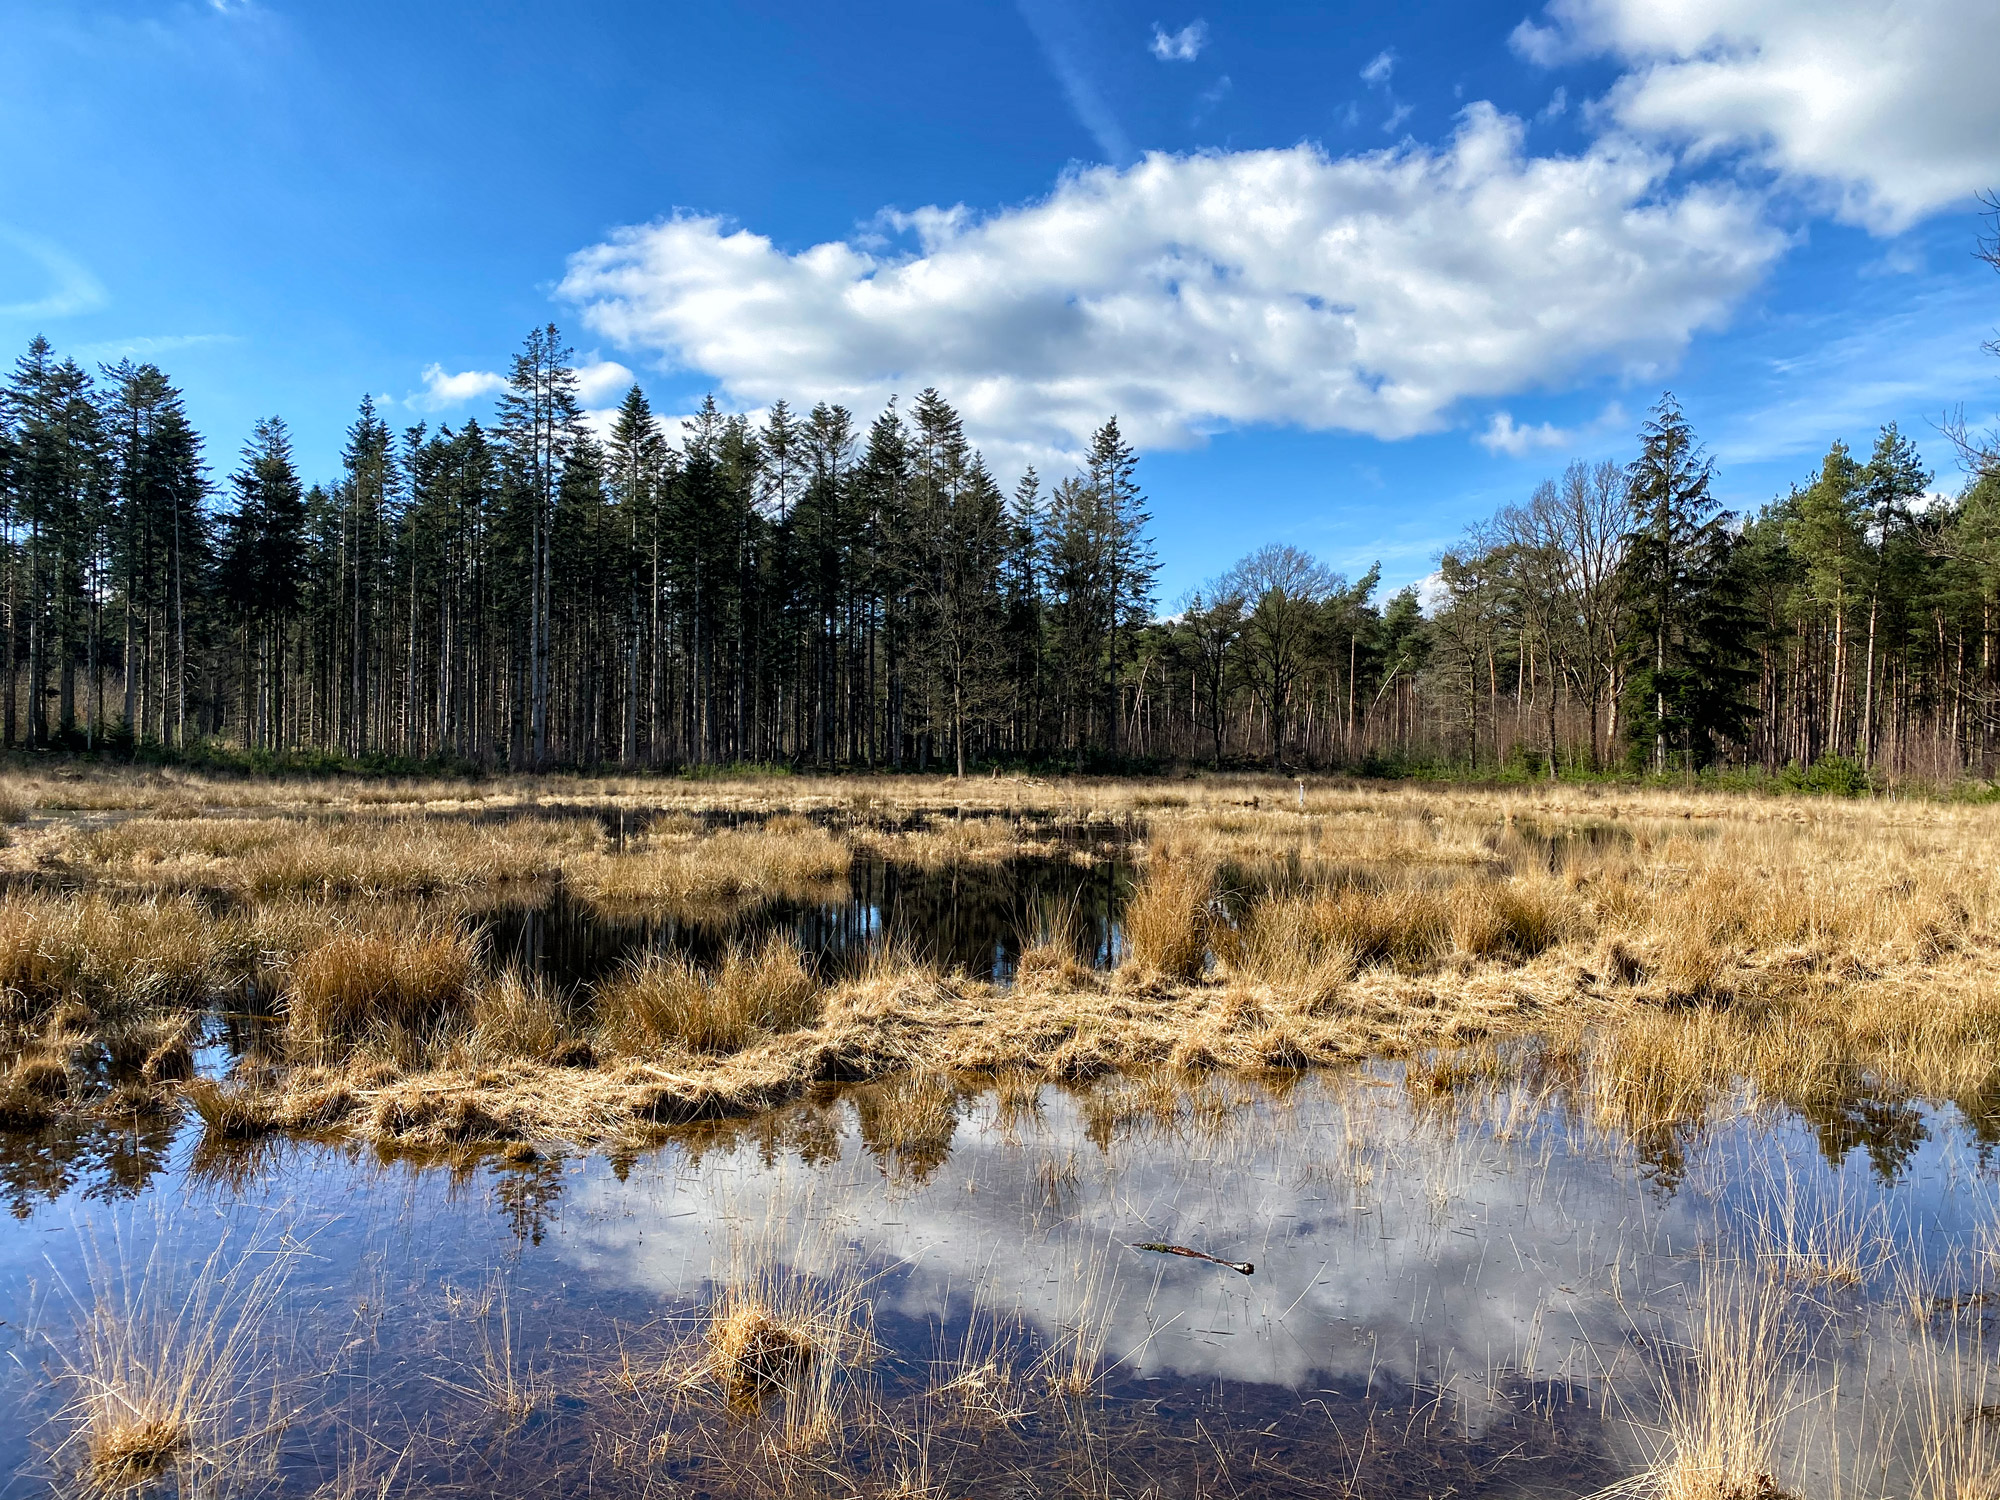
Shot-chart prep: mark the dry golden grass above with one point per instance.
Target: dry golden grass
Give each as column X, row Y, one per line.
column 1669, row 946
column 1170, row 917
column 166, row 1367
column 101, row 956
column 754, row 1355
column 1722, row 1404
column 667, row 1001
column 680, row 869
column 779, row 1344
column 523, row 1016
column 391, row 988
column 360, row 855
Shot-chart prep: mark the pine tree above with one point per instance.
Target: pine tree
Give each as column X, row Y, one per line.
column 540, row 420
column 1686, row 680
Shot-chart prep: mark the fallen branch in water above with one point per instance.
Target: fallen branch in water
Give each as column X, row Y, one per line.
column 1244, row 1266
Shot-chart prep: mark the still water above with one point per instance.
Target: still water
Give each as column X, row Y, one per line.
column 1481, row 1294
column 973, row 917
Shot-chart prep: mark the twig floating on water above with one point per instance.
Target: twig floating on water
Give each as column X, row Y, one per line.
column 1244, row 1266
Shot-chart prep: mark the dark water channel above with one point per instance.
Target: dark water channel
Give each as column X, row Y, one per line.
column 973, row 917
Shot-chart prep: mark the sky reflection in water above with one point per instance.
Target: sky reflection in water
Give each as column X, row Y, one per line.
column 1459, row 1252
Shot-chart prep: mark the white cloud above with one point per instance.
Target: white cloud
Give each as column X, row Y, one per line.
column 1380, row 67
column 602, row 382
column 1181, row 46
column 1064, row 48
column 1211, row 96
column 600, row 386
column 1368, row 293
column 442, row 389
column 148, row 347
column 1886, row 106
column 1504, row 435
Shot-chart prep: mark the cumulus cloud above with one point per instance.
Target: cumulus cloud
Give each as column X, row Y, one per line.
column 1886, row 106
column 600, row 383
column 443, row 390
column 1380, row 67
column 1368, row 293
column 1181, row 46
column 1504, row 435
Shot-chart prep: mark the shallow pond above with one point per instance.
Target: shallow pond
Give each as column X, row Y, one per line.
column 974, row 917
column 1474, row 1293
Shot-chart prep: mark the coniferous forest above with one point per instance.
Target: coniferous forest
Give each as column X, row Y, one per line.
column 823, row 590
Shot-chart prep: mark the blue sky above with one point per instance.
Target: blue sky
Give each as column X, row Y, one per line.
column 1352, row 275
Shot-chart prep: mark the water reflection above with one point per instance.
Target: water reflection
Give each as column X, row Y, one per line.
column 972, row 916
column 1475, row 1286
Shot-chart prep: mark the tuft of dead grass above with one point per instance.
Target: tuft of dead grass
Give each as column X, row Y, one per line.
column 1724, row 1396
column 754, row 1355
column 679, row 868
column 357, row 987
column 1170, row 916
column 102, row 955
column 166, row 1366
column 669, row 1001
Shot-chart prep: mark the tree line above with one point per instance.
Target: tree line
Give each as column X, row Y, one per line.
column 805, row 590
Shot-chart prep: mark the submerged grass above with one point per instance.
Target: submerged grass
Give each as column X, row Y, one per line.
column 168, row 1369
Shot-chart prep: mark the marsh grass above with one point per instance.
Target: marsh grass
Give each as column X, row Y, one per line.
column 782, row 1344
column 1953, row 1394
column 517, row 1015
column 364, row 855
column 1676, row 946
column 683, row 870
column 384, row 989
column 667, row 1000
column 1815, row 1236
column 1728, row 1388
column 1071, row 1363
column 509, row 1385
column 244, row 1110
column 107, row 957
column 1170, row 915
column 169, row 1367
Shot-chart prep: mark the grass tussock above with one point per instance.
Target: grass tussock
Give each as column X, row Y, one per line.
column 1171, row 914
column 166, row 1366
column 1672, row 946
column 357, row 987
column 525, row 1017
column 754, row 1355
column 102, row 955
column 668, row 1001
column 782, row 1345
column 338, row 858
column 1724, row 1395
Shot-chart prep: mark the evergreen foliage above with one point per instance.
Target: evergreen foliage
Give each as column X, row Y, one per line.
column 815, row 592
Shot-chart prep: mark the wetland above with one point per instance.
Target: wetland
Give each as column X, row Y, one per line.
column 784, row 1135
